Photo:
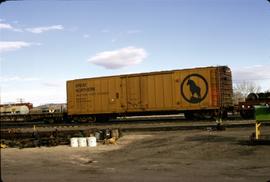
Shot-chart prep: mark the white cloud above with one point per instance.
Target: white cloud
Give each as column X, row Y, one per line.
column 37, row 96
column 35, row 90
column 38, row 30
column 11, row 46
column 53, row 84
column 258, row 74
column 17, row 78
column 119, row 58
column 9, row 27
column 5, row 26
column 252, row 73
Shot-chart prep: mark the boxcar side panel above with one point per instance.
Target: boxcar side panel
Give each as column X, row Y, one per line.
column 168, row 95
column 156, row 92
column 193, row 89
column 179, row 90
column 133, row 90
column 94, row 96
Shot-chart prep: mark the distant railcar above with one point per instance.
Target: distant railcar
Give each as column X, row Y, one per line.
column 15, row 109
column 50, row 108
column 197, row 91
column 26, row 112
column 247, row 108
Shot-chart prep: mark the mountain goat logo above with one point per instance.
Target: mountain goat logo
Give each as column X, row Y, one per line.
column 194, row 88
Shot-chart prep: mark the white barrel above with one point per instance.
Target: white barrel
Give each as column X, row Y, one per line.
column 92, row 141
column 74, row 142
column 82, row 142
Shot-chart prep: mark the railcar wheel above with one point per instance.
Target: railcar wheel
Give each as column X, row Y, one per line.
column 92, row 119
column 84, row 119
column 247, row 114
column 102, row 119
column 224, row 114
column 50, row 121
column 189, row 115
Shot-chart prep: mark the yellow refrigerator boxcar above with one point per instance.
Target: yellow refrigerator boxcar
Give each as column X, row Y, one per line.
column 197, row 90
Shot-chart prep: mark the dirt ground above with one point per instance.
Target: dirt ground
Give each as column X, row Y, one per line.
column 153, row 156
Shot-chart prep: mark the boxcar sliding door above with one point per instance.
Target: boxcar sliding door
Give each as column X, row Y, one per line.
column 133, row 93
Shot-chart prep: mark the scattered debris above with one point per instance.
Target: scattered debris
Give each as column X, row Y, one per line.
column 90, row 162
column 218, row 127
column 110, row 141
column 3, row 146
column 19, row 139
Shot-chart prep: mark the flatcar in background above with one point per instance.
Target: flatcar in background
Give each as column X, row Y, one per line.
column 247, row 108
column 197, row 92
column 26, row 112
column 15, row 108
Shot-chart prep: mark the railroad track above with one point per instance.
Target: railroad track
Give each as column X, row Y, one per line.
column 60, row 134
column 162, row 125
column 120, row 121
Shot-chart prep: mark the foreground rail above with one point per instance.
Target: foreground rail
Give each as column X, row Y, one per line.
column 60, row 135
column 125, row 120
column 126, row 127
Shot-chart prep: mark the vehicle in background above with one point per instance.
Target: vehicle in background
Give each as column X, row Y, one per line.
column 247, row 108
column 26, row 112
column 15, row 108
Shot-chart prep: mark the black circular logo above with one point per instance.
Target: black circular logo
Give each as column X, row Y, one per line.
column 194, row 88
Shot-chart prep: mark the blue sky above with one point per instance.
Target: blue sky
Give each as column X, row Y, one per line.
column 45, row 43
